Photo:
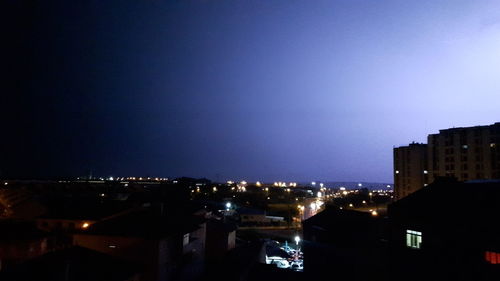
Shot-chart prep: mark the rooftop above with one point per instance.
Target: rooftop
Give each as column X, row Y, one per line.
column 146, row 223
column 73, row 264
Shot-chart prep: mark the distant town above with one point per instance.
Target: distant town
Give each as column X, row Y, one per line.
column 439, row 218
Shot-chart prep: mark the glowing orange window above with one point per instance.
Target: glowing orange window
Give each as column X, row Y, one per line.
column 492, row 257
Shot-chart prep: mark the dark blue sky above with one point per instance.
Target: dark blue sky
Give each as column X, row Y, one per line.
column 256, row 90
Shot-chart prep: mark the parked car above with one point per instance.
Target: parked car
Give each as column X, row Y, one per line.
column 278, row 261
column 297, row 266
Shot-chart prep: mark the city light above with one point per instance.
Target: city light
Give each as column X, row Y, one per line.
column 228, row 205
column 374, row 213
column 85, row 225
column 297, row 239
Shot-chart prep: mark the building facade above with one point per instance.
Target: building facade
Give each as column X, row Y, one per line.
column 467, row 153
column 410, row 169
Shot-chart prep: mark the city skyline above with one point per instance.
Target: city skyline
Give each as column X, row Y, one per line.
column 280, row 90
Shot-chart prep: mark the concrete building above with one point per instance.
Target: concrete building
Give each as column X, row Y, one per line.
column 410, row 169
column 467, row 153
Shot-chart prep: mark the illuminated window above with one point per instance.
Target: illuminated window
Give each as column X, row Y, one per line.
column 413, row 239
column 185, row 239
column 492, row 257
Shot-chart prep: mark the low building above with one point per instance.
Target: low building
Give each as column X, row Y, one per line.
column 255, row 217
column 72, row 215
column 169, row 246
column 73, row 264
column 221, row 238
column 340, row 242
column 21, row 241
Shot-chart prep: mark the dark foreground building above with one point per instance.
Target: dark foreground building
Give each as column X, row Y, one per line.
column 448, row 230
column 344, row 244
column 74, row 264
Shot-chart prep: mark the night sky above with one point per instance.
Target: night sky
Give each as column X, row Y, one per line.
column 240, row 89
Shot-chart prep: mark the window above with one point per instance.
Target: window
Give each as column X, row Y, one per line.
column 185, row 239
column 413, row 239
column 492, row 257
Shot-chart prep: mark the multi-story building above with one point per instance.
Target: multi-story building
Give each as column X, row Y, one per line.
column 466, row 153
column 410, row 169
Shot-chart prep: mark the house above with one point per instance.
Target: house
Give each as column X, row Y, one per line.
column 342, row 241
column 21, row 241
column 221, row 238
column 73, row 214
column 73, row 264
column 168, row 245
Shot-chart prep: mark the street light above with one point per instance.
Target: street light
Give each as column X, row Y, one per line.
column 297, row 240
